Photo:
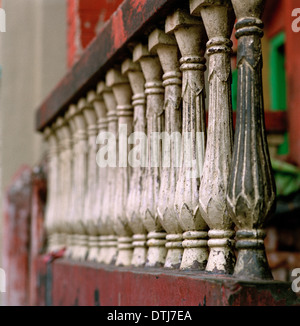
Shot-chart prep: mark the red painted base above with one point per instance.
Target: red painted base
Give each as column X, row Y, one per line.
column 91, row 284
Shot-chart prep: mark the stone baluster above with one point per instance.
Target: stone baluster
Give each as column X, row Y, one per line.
column 102, row 181
column 66, row 177
column 251, row 189
column 52, row 157
column 191, row 38
column 80, row 177
column 154, row 91
column 218, row 18
column 123, row 94
column 58, row 240
column 96, row 99
column 166, row 48
column 59, row 207
column 133, row 210
column 72, row 196
column 108, row 252
column 90, row 116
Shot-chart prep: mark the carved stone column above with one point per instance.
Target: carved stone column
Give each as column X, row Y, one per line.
column 102, row 181
column 80, row 177
column 191, row 38
column 108, row 253
column 123, row 94
column 133, row 209
column 52, row 157
column 218, row 18
column 90, row 116
column 155, row 124
column 66, row 177
column 63, row 144
column 96, row 99
column 166, row 48
column 72, row 196
column 251, row 190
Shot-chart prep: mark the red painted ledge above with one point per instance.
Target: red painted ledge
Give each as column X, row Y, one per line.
column 90, row 284
column 130, row 20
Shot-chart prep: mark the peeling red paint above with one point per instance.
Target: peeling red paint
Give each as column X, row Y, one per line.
column 37, row 233
column 292, row 49
column 16, row 238
column 74, row 282
column 84, row 18
column 138, row 4
column 118, row 30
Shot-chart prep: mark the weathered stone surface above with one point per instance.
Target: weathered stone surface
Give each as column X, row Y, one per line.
column 155, row 124
column 251, row 189
column 191, row 38
column 218, row 18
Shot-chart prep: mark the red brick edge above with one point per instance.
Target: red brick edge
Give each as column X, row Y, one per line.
column 90, row 284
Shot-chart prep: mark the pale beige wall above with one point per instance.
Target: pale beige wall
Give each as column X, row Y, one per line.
column 33, row 60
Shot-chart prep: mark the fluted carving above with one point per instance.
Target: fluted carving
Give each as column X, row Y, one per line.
column 108, row 252
column 52, row 157
column 251, row 190
column 166, row 48
column 191, row 39
column 80, row 177
column 90, row 226
column 123, row 94
column 69, row 116
column 60, row 207
column 97, row 100
column 133, row 209
column 155, row 124
column 65, row 177
column 218, row 18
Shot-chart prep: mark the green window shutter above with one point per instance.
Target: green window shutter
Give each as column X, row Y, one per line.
column 277, row 73
column 278, row 87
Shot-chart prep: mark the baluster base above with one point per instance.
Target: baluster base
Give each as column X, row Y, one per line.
column 93, row 248
column 69, row 243
column 221, row 259
column 157, row 251
column 139, row 255
column 100, row 244
column 195, row 253
column 252, row 263
column 110, row 250
column 83, row 247
column 74, row 247
column 103, row 248
column 174, row 251
column 124, row 251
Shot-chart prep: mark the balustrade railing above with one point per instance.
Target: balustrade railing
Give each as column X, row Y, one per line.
column 137, row 178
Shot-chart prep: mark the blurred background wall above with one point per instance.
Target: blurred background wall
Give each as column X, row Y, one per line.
column 33, row 55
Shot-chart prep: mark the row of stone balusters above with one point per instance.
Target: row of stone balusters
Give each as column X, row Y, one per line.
column 152, row 215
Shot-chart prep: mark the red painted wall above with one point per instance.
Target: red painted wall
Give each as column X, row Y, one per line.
column 85, row 19
column 16, row 238
column 37, row 230
column 293, row 78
